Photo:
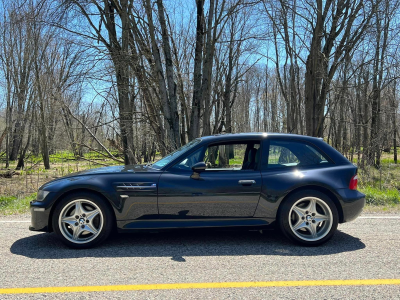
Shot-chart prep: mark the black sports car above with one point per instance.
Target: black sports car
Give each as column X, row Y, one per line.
column 248, row 180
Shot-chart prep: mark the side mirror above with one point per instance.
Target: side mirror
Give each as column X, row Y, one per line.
column 199, row 167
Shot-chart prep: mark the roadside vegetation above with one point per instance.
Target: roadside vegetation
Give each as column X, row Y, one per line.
column 18, row 187
column 381, row 186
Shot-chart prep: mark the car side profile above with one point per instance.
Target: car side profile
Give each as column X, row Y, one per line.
column 247, row 180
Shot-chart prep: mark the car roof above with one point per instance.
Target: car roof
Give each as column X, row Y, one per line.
column 335, row 155
column 256, row 135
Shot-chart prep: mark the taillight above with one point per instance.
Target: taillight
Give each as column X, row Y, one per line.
column 353, row 183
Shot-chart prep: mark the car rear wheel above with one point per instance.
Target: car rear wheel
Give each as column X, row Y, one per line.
column 82, row 220
column 308, row 217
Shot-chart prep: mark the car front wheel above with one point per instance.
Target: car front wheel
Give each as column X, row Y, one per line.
column 82, row 220
column 308, row 217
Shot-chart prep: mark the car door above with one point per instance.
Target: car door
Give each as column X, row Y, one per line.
column 287, row 164
column 229, row 187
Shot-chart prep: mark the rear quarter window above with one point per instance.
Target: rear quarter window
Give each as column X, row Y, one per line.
column 285, row 154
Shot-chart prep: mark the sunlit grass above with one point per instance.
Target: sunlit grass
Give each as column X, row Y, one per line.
column 235, row 161
column 18, row 191
column 11, row 205
column 376, row 196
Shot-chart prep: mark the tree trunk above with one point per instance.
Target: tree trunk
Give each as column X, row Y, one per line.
column 394, row 123
column 207, row 69
column 173, row 120
column 194, row 130
column 121, row 58
column 227, row 93
column 43, row 132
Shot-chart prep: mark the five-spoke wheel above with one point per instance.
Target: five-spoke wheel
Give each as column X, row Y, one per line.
column 82, row 220
column 308, row 217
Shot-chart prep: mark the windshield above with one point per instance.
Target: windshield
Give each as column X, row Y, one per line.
column 170, row 157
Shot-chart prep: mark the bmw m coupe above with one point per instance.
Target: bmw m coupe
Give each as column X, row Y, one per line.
column 247, row 180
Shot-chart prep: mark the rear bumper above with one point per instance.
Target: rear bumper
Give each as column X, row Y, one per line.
column 352, row 203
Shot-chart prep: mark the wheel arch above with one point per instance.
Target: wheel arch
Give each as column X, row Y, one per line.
column 74, row 191
column 321, row 189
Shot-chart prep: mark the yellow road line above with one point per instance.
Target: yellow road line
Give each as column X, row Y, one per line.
column 204, row 285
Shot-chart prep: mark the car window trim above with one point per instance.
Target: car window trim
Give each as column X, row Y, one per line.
column 172, row 162
column 183, row 156
column 246, row 141
column 205, row 145
column 268, row 143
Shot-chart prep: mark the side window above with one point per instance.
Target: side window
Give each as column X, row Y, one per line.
column 224, row 156
column 290, row 153
column 187, row 163
column 232, row 156
column 319, row 155
column 280, row 156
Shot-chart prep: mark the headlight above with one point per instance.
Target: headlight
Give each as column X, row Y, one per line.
column 41, row 195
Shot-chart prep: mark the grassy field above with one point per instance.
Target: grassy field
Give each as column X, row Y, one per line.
column 380, row 186
column 18, row 191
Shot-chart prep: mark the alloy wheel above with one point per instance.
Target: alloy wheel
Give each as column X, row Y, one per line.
column 310, row 219
column 81, row 221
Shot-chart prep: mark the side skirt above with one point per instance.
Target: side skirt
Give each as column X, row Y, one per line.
column 190, row 223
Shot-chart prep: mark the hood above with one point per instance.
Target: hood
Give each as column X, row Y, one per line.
column 107, row 170
column 102, row 171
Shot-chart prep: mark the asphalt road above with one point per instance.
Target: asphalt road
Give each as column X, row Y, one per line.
column 368, row 248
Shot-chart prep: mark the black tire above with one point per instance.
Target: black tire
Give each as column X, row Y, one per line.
column 322, row 231
column 104, row 220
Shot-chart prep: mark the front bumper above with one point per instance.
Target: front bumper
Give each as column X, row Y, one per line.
column 352, row 203
column 39, row 216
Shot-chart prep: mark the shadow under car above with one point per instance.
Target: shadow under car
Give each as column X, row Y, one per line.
column 180, row 243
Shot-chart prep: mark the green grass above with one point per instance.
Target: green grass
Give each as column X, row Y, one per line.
column 387, row 161
column 235, row 161
column 381, row 186
column 10, row 205
column 376, row 196
column 63, row 156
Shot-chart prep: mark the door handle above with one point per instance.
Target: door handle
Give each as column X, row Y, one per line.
column 247, row 182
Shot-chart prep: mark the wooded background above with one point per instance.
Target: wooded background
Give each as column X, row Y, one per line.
column 131, row 78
